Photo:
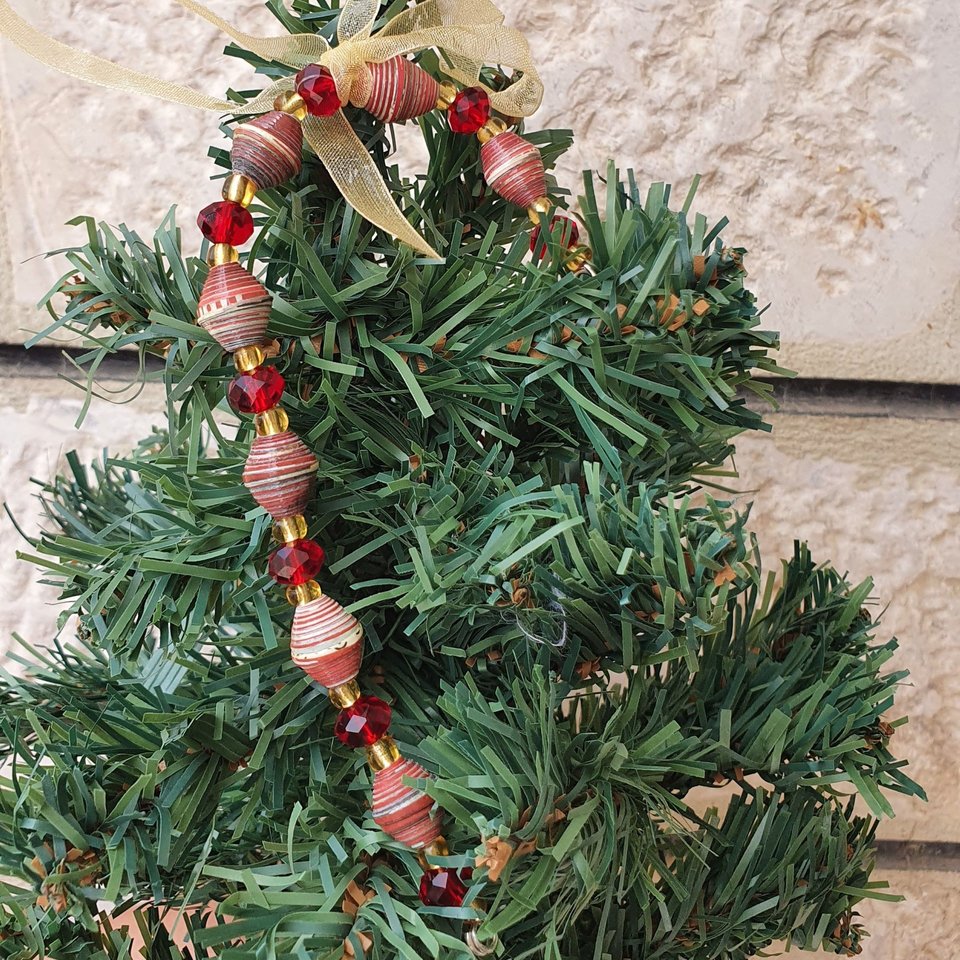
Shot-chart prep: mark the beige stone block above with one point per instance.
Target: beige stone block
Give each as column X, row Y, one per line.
column 879, row 497
column 921, row 927
column 821, row 129
column 38, row 430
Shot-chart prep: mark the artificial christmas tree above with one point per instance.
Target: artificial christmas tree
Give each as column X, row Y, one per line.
column 501, row 578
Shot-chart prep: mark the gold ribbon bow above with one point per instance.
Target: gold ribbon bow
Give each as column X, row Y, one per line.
column 468, row 34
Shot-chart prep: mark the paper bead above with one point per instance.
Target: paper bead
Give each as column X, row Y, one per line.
column 326, row 641
column 279, row 473
column 234, row 307
column 268, row 149
column 401, row 811
column 514, row 168
column 395, row 90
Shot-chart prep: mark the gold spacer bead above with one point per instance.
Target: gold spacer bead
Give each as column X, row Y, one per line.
column 539, row 208
column 492, row 128
column 345, row 694
column 436, row 848
column 382, row 754
column 291, row 102
column 239, row 189
column 221, row 253
column 288, row 529
column 445, row 96
column 578, row 259
column 248, row 358
column 304, row 593
column 271, row 421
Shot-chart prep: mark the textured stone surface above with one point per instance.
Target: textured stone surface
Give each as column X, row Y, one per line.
column 38, row 431
column 922, row 927
column 824, row 130
column 879, row 497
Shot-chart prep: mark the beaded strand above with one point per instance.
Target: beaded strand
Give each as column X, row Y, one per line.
column 326, row 641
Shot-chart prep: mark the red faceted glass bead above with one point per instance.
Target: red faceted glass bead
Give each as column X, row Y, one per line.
column 255, row 391
column 226, row 222
column 469, row 111
column 444, row 887
column 319, row 91
column 297, row 562
column 363, row 723
column 569, row 235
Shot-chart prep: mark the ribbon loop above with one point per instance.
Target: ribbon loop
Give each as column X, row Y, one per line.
column 356, row 20
column 468, row 34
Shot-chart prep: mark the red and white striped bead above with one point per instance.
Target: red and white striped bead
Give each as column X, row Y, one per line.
column 268, row 149
column 280, row 473
column 514, row 168
column 234, row 307
column 326, row 641
column 395, row 90
column 404, row 812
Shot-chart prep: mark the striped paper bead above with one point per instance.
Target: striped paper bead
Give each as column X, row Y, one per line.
column 514, row 168
column 326, row 641
column 280, row 472
column 268, row 149
column 234, row 307
column 401, row 811
column 395, row 90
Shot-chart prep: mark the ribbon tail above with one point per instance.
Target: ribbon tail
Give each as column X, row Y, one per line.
column 295, row 50
column 94, row 69
column 357, row 178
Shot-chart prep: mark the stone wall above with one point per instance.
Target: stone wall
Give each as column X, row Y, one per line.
column 827, row 130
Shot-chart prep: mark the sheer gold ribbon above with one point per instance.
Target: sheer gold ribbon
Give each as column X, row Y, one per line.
column 467, row 33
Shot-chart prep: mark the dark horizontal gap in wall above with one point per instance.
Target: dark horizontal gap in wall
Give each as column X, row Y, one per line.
column 803, row 396
column 918, row 855
column 819, row 396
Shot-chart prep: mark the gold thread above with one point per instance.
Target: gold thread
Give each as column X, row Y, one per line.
column 271, row 421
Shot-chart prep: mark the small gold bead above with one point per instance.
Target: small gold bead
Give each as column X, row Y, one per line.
column 539, row 208
column 344, row 694
column 304, row 593
column 382, row 754
column 446, row 95
column 239, row 189
column 578, row 259
column 221, row 253
column 492, row 128
column 271, row 421
column 291, row 102
column 248, row 358
column 436, row 848
column 288, row 529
